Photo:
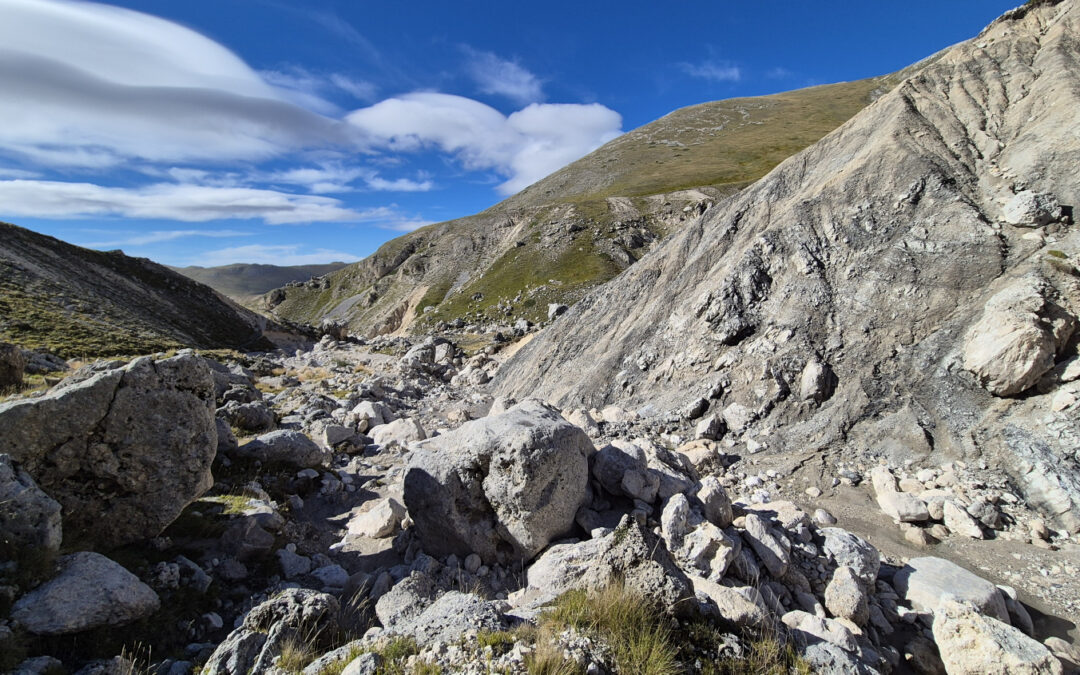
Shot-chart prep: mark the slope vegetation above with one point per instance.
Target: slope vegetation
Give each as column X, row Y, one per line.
column 77, row 302
column 581, row 226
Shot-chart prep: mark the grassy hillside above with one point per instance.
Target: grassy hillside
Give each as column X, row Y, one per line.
column 729, row 142
column 580, row 226
column 76, row 302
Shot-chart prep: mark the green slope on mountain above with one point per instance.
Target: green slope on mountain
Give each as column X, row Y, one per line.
column 77, row 302
column 580, row 226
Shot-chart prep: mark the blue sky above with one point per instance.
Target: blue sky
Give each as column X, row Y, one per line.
column 209, row 132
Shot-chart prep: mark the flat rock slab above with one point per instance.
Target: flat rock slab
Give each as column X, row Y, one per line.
column 928, row 582
column 89, row 591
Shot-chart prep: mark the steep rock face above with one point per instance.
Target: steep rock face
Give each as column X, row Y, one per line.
column 872, row 253
column 123, row 450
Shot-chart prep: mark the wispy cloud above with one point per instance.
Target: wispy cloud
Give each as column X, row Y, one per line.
column 181, row 202
column 337, row 179
column 310, row 89
column 160, row 236
column 361, row 90
column 714, row 71
column 18, row 173
column 283, row 254
column 405, row 225
column 398, row 185
column 497, row 76
column 342, row 28
column 525, row 146
column 779, row 73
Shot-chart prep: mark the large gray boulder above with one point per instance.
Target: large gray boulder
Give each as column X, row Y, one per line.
column 928, row 582
column 973, row 644
column 12, row 365
column 284, row 446
column 90, row 591
column 449, row 617
column 630, row 554
column 123, row 450
column 29, row 518
column 845, row 548
column 294, row 615
column 503, row 486
column 640, row 560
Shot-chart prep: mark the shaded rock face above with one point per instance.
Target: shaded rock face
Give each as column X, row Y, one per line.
column 89, row 591
column 29, row 518
column 502, row 486
column 124, row 450
column 874, row 251
column 12, row 365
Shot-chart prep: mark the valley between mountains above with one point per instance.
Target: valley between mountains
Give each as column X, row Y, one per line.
column 777, row 385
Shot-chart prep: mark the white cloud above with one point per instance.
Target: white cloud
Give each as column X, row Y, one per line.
column 159, row 236
column 779, row 73
column 283, row 254
column 309, row 89
column 158, row 92
column 713, row 71
column 321, row 180
column 182, row 202
column 398, row 185
column 17, row 173
column 334, row 178
column 524, row 146
column 405, row 225
column 503, row 78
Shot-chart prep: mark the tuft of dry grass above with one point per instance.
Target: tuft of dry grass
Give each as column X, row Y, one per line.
column 637, row 631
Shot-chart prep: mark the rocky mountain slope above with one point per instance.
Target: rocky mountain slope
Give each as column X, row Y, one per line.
column 341, row 509
column 904, row 288
column 579, row 227
column 243, row 281
column 77, row 302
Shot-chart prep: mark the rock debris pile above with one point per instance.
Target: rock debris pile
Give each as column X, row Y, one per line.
column 392, row 513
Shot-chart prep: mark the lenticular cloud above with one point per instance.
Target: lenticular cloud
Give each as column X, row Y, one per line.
column 93, row 85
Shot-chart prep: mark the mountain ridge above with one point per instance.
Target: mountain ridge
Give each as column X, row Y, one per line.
column 78, row 302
